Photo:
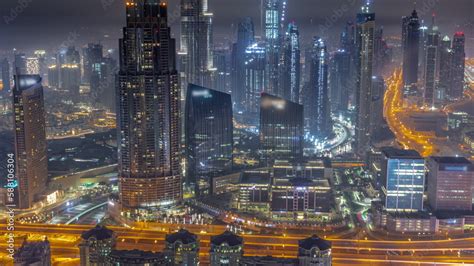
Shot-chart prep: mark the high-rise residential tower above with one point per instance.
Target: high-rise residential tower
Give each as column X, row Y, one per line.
column 364, row 62
column 255, row 81
column 459, row 55
column 445, row 70
column 290, row 71
column 411, row 48
column 148, row 113
column 30, row 139
column 340, row 80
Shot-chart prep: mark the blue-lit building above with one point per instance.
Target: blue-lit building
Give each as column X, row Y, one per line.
column 318, row 110
column 255, row 82
column 209, row 137
column 403, row 174
column 290, row 71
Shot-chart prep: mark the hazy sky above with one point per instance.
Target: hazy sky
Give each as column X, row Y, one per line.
column 46, row 24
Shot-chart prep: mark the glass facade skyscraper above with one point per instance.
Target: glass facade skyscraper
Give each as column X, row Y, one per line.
column 148, row 110
column 209, row 136
column 403, row 173
column 411, row 48
column 255, row 82
column 290, row 72
column 281, row 128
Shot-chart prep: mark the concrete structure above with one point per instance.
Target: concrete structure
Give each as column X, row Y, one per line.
column 226, row 249
column 182, row 248
column 314, row 251
column 33, row 254
column 96, row 244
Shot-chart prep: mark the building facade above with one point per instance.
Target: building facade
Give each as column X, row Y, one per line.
column 209, row 136
column 148, row 114
column 31, row 149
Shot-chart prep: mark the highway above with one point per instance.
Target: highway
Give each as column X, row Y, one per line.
column 64, row 240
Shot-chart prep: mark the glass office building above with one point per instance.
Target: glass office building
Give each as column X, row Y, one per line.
column 404, row 179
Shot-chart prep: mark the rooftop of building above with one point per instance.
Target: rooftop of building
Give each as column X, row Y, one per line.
column 255, row 178
column 450, row 160
column 99, row 232
column 391, row 152
column 183, row 236
column 314, row 241
column 32, row 250
column 227, row 237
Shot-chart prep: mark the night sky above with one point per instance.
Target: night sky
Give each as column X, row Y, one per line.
column 47, row 24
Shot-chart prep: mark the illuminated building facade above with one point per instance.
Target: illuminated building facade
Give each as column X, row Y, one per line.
column 411, row 48
column 450, row 182
column 254, row 191
column 196, row 51
column 290, row 71
column 273, row 16
column 5, row 68
column 445, row 70
column 245, row 37
column 30, row 139
column 255, row 82
column 226, row 249
column 209, row 136
column 340, row 80
column 365, row 28
column 403, row 174
column 32, row 66
column 149, row 110
column 281, row 128
column 459, row 57
column 92, row 55
column 319, row 109
column 96, row 244
column 136, row 257
column 431, row 66
column 182, row 248
column 377, row 119
column 314, row 251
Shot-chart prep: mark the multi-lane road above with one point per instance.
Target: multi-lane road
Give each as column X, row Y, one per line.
column 64, row 240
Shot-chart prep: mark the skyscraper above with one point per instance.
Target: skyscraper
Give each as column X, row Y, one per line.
column 364, row 62
column 290, row 72
column 411, row 48
column 450, row 181
column 149, row 109
column 196, row 43
column 377, row 120
column 403, row 174
column 445, row 69
column 340, row 80
column 273, row 15
column 209, row 137
column 19, row 65
column 255, row 77
column 318, row 110
column 459, row 55
column 281, row 128
column 245, row 37
column 5, row 67
column 222, row 80
column 30, row 139
column 92, row 56
column 431, row 65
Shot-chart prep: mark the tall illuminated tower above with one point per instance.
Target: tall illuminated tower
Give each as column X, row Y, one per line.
column 30, row 139
column 290, row 72
column 318, row 110
column 411, row 48
column 5, row 68
column 459, row 55
column 273, row 14
column 245, row 37
column 431, row 65
column 148, row 110
column 196, row 44
column 364, row 62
